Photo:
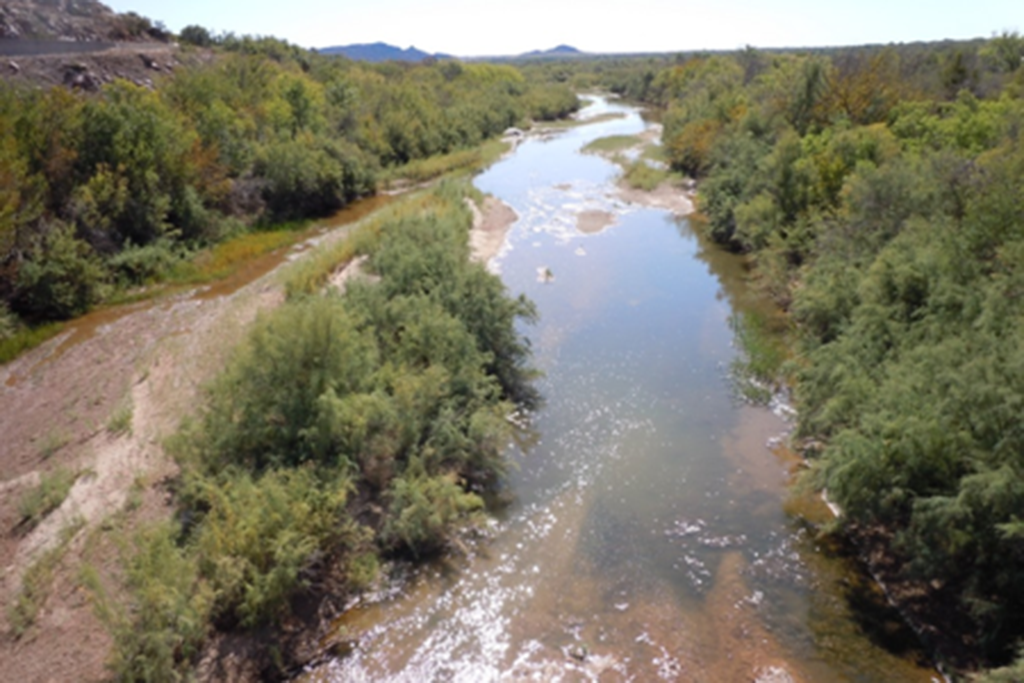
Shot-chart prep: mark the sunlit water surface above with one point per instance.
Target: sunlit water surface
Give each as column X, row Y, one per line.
column 651, row 535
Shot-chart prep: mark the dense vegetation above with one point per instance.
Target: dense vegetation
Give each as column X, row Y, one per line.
column 347, row 427
column 116, row 188
column 879, row 193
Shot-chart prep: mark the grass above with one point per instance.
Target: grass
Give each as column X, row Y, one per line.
column 120, row 421
column 310, row 275
column 23, row 610
column 134, row 499
column 655, row 153
column 765, row 351
column 224, row 259
column 643, row 176
column 612, row 143
column 576, row 123
column 53, row 442
column 460, row 161
column 47, row 496
column 27, row 339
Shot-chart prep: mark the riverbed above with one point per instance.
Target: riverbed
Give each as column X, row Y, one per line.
column 652, row 533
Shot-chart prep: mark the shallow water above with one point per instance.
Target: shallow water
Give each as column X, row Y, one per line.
column 649, row 538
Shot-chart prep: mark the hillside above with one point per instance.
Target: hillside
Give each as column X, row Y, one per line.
column 555, row 52
column 378, row 52
column 73, row 20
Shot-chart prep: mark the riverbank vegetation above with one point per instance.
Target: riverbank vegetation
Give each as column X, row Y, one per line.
column 111, row 191
column 878, row 192
column 347, row 429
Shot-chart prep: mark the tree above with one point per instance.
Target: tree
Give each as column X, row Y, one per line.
column 196, row 35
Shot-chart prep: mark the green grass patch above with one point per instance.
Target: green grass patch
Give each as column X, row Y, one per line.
column 460, row 161
column 576, row 123
column 612, row 143
column 765, row 351
column 310, row 275
column 643, row 176
column 27, row 339
column 47, row 496
column 36, row 584
column 53, row 442
column 120, row 421
column 655, row 153
column 224, row 259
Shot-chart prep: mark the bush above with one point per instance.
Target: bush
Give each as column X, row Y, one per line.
column 196, row 35
column 424, row 510
column 62, row 279
column 8, row 322
column 257, row 537
column 159, row 633
column 139, row 265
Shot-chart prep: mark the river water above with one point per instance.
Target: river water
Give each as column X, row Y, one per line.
column 651, row 534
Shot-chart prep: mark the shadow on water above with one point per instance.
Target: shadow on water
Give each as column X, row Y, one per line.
column 869, row 607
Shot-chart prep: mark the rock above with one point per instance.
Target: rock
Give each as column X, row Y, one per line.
column 578, row 652
column 13, row 66
column 773, row 674
column 78, row 76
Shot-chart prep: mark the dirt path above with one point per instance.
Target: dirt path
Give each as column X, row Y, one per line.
column 99, row 400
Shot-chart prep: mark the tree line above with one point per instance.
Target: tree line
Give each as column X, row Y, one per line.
column 99, row 191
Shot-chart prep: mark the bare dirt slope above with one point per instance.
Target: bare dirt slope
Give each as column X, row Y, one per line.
column 59, row 407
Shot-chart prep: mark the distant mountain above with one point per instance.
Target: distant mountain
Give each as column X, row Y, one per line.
column 378, row 52
column 560, row 51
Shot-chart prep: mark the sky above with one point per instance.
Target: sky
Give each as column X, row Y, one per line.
column 469, row 28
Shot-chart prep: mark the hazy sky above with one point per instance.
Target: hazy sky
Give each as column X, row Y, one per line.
column 479, row 27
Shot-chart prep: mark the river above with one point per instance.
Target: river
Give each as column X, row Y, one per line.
column 651, row 533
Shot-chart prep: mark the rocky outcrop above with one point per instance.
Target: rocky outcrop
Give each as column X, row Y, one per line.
column 80, row 44
column 72, row 20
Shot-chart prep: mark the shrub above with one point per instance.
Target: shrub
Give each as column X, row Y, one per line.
column 8, row 322
column 139, row 265
column 425, row 509
column 258, row 536
column 196, row 35
column 62, row 279
column 159, row 632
